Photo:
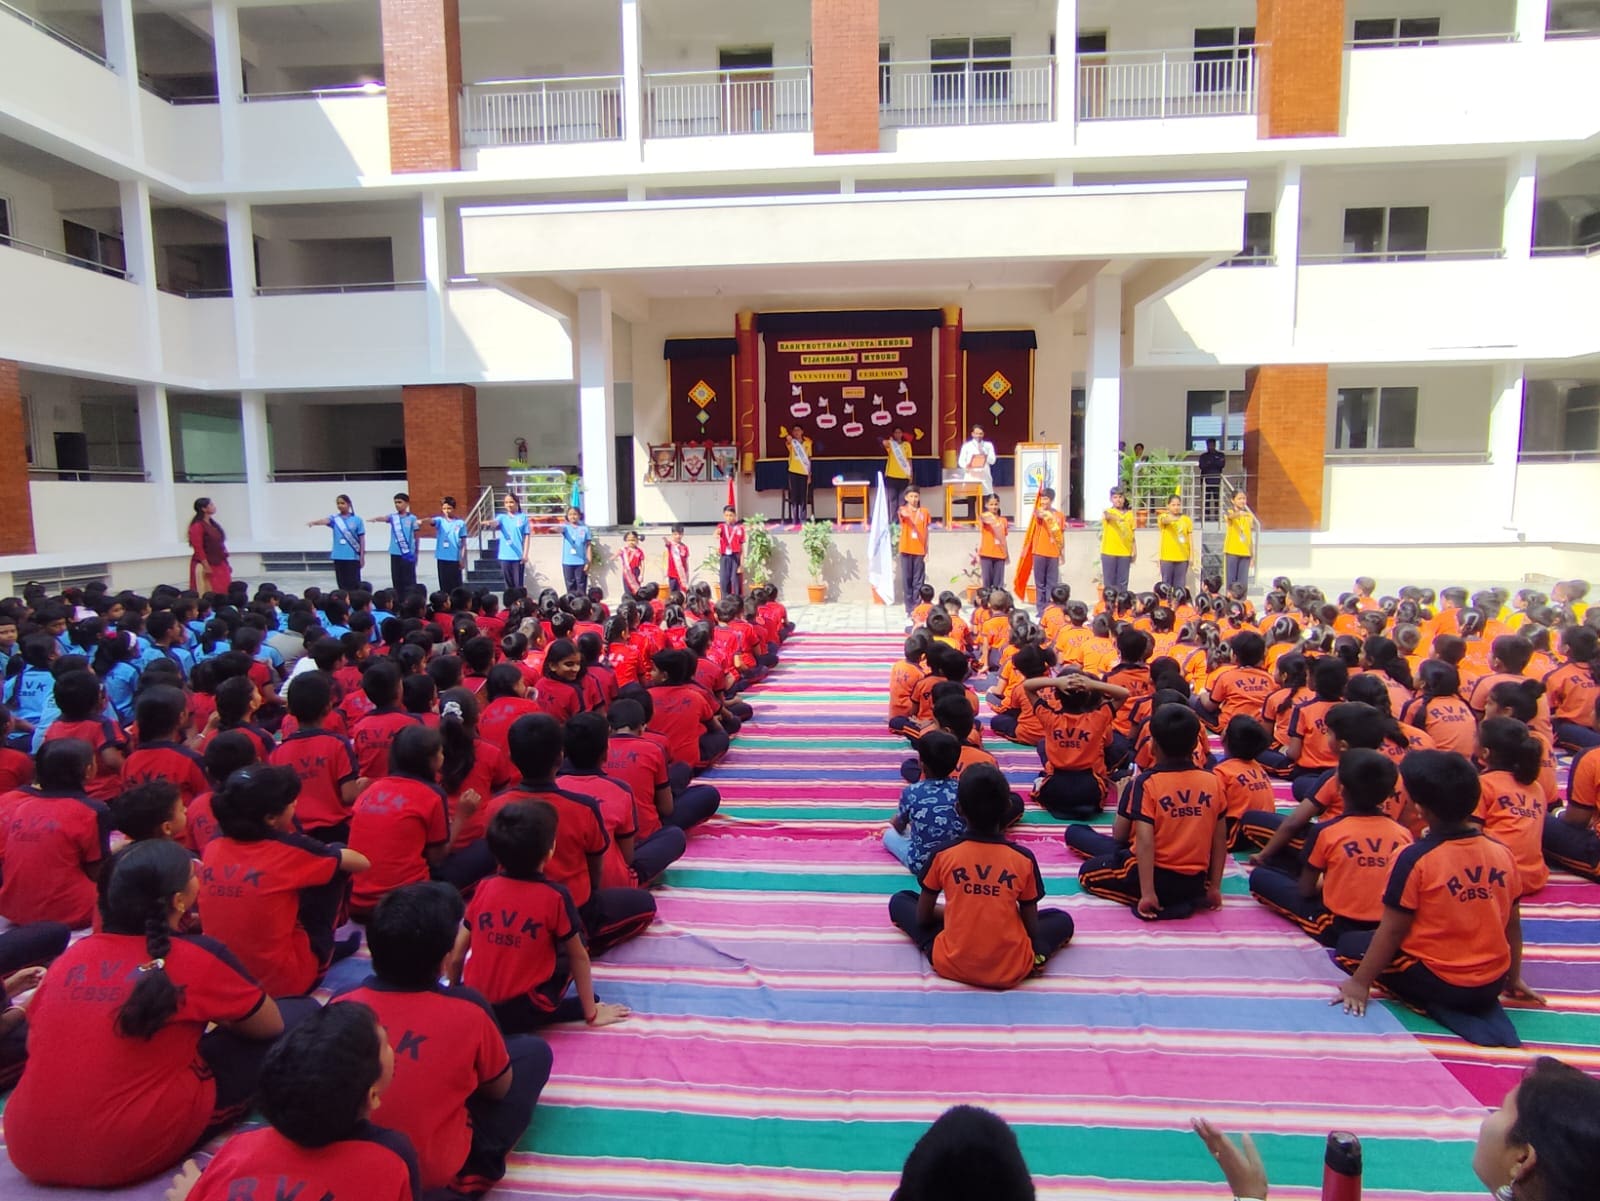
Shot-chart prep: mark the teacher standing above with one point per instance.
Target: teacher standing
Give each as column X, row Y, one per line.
column 976, row 459
column 209, row 570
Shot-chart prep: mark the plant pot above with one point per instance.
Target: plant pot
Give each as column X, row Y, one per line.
column 972, row 593
column 716, row 592
column 816, row 593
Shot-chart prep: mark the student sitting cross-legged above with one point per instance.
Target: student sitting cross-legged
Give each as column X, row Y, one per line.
column 928, row 820
column 462, row 1093
column 991, row 931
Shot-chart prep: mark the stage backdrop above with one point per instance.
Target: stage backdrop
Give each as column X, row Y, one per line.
column 997, row 392
column 700, row 387
column 849, row 378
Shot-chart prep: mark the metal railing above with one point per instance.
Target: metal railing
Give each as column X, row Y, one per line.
column 1405, row 256
column 1562, row 34
column 194, row 293
column 1251, row 260
column 538, row 112
column 311, row 475
column 686, row 104
column 969, row 92
column 1551, row 252
column 479, row 516
column 71, row 260
column 54, row 34
column 1435, row 39
column 387, row 285
column 1378, row 456
column 1558, row 456
column 91, row 474
column 337, row 92
column 1121, row 85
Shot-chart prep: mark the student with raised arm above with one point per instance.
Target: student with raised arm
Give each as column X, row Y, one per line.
column 1118, row 550
column 1177, row 537
column 450, row 536
column 896, row 467
column 349, row 551
column 799, row 448
column 1238, row 546
column 403, row 529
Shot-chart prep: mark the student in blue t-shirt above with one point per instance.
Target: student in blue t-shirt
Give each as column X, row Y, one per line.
column 514, row 547
column 403, row 529
column 349, row 543
column 928, row 820
column 575, row 540
column 450, row 535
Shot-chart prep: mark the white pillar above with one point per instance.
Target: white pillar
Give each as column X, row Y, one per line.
column 1533, row 18
column 139, row 249
column 1505, row 439
column 242, row 277
column 1102, row 410
column 155, row 445
column 1067, row 69
column 596, row 419
column 122, row 52
column 230, row 80
column 1522, row 192
column 1286, row 247
column 436, row 274
column 632, row 77
column 257, row 462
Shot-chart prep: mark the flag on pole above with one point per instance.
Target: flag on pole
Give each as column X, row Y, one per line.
column 577, row 494
column 733, row 500
column 1024, row 575
column 880, row 550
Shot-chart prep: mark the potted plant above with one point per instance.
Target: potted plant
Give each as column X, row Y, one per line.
column 971, row 576
column 712, row 566
column 758, row 550
column 816, row 539
column 1160, row 475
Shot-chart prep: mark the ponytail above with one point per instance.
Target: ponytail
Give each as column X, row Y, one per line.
column 1521, row 697
column 1509, row 746
column 136, row 896
column 458, row 720
column 1436, row 678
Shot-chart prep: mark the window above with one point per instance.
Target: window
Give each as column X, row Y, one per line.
column 1257, row 247
column 1391, row 234
column 885, row 73
column 1401, row 31
column 111, row 430
column 1216, row 51
column 1376, row 419
column 27, row 429
column 1216, row 414
column 987, row 60
column 91, row 246
column 1561, row 417
column 1092, row 43
column 5, row 220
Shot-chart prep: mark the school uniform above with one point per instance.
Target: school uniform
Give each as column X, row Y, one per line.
column 513, row 540
column 447, row 1046
column 896, row 471
column 517, row 958
column 1175, row 552
column 324, row 762
column 393, row 824
column 981, row 939
column 373, row 735
column 374, row 1163
column 16, row 769
column 1246, row 788
column 642, row 765
column 1239, row 691
column 652, row 854
column 347, row 533
column 993, row 553
column 275, row 904
column 1047, row 537
column 30, row 690
column 404, row 529
column 575, row 541
column 1237, row 549
column 1514, row 815
column 48, row 842
column 1571, row 691
column 100, row 733
column 730, row 557
column 491, row 771
column 1448, row 720
column 684, row 715
column 1075, row 746
column 152, row 1099
column 1355, row 854
column 1182, row 806
column 799, row 475
column 449, row 536
column 914, row 525
column 1116, row 549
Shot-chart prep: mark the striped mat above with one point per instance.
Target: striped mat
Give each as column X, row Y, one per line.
column 789, row 1043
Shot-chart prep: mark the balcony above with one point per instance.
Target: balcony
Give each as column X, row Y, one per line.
column 51, row 82
column 324, row 337
column 540, row 112
column 689, row 104
column 1163, row 84
column 917, row 95
column 59, row 311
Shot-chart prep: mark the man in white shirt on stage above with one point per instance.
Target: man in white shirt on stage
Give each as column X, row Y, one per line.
column 976, row 459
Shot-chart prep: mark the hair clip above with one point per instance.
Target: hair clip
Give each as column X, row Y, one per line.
column 451, row 709
column 155, row 965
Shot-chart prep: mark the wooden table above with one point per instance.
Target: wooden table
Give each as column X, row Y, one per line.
column 845, row 494
column 963, row 490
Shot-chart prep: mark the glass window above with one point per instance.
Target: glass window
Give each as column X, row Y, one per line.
column 1419, row 31
column 1376, row 29
column 1408, row 232
column 5, row 221
column 1214, row 413
column 1216, row 50
column 1404, row 31
column 1397, row 419
column 1561, row 417
column 1391, row 234
column 111, row 432
column 1375, row 419
column 1257, row 239
column 885, row 73
column 1352, row 420
column 1363, row 231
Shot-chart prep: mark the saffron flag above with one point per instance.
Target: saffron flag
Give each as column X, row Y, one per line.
column 733, row 501
column 1024, row 576
column 880, row 550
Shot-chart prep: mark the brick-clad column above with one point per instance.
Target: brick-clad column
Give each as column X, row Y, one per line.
column 441, row 444
column 422, row 76
column 16, row 504
column 844, row 76
column 1301, row 67
column 1285, row 440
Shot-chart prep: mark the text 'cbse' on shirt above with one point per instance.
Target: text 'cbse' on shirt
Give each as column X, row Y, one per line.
column 1514, row 814
column 48, row 841
column 1183, row 806
column 983, row 881
column 394, row 822
column 517, row 928
column 1460, row 890
column 324, row 763
column 1355, row 854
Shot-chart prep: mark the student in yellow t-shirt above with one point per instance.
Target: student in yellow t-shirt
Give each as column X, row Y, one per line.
column 1177, row 543
column 1239, row 546
column 897, row 467
column 1117, row 549
column 799, row 447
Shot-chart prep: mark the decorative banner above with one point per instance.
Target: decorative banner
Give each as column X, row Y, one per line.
column 997, row 389
column 848, row 379
column 700, row 382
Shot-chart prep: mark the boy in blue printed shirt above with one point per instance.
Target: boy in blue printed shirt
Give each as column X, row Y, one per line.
column 403, row 527
column 928, row 820
column 449, row 532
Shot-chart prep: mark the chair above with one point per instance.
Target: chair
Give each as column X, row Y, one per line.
column 786, row 510
column 957, row 491
column 849, row 494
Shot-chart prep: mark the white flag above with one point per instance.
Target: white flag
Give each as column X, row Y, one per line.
column 880, row 549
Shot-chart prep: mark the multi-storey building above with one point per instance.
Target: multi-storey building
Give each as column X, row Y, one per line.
column 272, row 252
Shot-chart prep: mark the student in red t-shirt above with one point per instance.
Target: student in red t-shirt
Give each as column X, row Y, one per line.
column 135, row 1040
column 374, row 733
column 1451, row 931
column 400, row 821
column 560, row 689
column 82, row 702
column 522, row 944
column 504, row 699
column 631, row 859
column 153, row 810
column 271, row 895
column 1179, row 838
column 16, row 766
column 472, row 764
column 684, row 713
column 462, row 1093
column 162, row 752
column 225, row 754
column 632, row 757
column 325, row 762
column 320, row 1085
column 53, row 842
column 991, row 931
column 1346, row 862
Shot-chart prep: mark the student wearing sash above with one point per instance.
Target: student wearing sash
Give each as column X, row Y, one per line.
column 799, row 470
column 631, row 558
column 730, row 552
column 575, row 540
column 1118, row 549
column 450, row 536
column 403, row 526
column 349, row 543
column 1239, row 545
column 897, row 471
column 513, row 554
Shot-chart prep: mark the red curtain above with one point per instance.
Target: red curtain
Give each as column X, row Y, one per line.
column 701, row 384
column 997, row 394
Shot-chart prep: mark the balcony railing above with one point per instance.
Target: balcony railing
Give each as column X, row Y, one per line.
column 371, row 87
column 1404, row 256
column 58, row 256
column 386, row 285
column 537, row 112
column 1435, row 39
column 686, row 104
column 53, row 33
column 1167, row 83
column 968, row 92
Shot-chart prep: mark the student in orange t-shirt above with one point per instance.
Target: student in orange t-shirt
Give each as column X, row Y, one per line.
column 991, row 931
column 1508, row 659
column 1239, row 690
column 1451, row 933
column 1572, row 835
column 1077, row 734
column 914, row 521
column 1439, row 710
column 1511, row 808
column 993, row 553
column 1346, row 862
column 1179, row 839
column 1574, row 687
column 1308, row 744
column 1015, row 718
column 1246, row 786
column 903, row 676
column 1047, row 537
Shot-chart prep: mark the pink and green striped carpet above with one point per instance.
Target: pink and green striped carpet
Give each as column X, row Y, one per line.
column 789, row 1043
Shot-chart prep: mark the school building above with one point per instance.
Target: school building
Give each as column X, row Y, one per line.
column 272, row 252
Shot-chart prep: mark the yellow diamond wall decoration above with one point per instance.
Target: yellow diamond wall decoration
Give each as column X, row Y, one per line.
column 702, row 394
column 997, row 385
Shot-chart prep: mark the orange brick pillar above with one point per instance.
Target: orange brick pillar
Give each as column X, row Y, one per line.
column 441, row 444
column 746, row 391
column 1285, row 438
column 1301, row 65
column 422, row 76
column 949, row 431
column 16, row 503
column 844, row 76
